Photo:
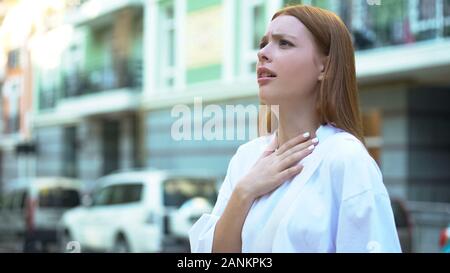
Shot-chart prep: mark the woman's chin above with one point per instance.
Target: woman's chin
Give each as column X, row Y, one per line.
column 266, row 95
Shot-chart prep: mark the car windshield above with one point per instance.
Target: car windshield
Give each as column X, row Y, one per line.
column 58, row 197
column 179, row 190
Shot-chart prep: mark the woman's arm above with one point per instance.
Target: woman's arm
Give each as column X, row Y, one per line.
column 271, row 170
column 227, row 235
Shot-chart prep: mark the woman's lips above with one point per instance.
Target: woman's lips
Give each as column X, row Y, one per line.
column 265, row 80
column 265, row 75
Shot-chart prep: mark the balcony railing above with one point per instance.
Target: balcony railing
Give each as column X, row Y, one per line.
column 396, row 22
column 47, row 97
column 124, row 74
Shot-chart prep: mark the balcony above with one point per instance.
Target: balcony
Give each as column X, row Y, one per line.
column 396, row 22
column 401, row 40
column 125, row 74
column 48, row 96
column 92, row 10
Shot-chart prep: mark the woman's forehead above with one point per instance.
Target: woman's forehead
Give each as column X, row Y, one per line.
column 286, row 25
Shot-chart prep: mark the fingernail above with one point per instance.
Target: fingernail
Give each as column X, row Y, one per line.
column 311, row 147
column 315, row 140
column 306, row 134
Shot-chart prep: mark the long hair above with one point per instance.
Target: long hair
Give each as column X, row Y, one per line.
column 337, row 101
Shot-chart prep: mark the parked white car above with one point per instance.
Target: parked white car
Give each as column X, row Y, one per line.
column 140, row 211
column 32, row 209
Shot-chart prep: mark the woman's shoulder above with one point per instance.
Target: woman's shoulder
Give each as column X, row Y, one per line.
column 354, row 169
column 345, row 146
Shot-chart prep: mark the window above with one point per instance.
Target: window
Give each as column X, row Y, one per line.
column 119, row 194
column 48, row 88
column 110, row 145
column 18, row 200
column 104, row 197
column 168, row 44
column 345, row 11
column 101, row 73
column 70, row 152
column 447, row 10
column 72, row 77
column 127, row 193
column 14, row 59
column 58, row 198
column 430, row 18
column 427, row 9
column 254, row 22
column 383, row 25
column 178, row 191
column 291, row 2
column 12, row 91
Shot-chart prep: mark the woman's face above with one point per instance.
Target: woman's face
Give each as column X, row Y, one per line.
column 289, row 64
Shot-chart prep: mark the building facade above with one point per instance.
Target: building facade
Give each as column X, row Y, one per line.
column 122, row 67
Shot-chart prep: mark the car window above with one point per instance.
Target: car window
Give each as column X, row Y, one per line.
column 17, row 198
column 104, row 196
column 126, row 193
column 58, row 198
column 179, row 190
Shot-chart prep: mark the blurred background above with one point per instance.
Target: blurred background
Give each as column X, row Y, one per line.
column 87, row 160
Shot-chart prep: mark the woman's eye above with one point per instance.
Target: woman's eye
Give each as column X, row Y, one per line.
column 262, row 45
column 284, row 43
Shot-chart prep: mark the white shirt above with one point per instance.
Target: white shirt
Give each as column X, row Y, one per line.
column 338, row 203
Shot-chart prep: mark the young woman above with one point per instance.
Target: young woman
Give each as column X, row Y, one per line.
column 311, row 186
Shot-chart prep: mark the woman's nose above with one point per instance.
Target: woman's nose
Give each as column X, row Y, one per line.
column 263, row 56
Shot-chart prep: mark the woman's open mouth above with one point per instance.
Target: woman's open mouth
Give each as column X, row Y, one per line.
column 265, row 75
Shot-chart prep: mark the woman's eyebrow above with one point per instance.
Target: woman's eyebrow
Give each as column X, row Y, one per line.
column 278, row 36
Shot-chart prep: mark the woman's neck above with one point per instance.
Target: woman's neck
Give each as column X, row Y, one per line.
column 296, row 122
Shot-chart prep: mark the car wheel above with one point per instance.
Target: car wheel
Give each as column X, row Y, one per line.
column 121, row 246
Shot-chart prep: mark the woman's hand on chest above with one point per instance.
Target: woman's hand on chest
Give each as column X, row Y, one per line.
column 275, row 166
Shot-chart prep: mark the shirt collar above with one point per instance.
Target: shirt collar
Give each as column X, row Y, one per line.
column 326, row 130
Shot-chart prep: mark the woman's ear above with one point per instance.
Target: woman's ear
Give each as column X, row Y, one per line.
column 322, row 66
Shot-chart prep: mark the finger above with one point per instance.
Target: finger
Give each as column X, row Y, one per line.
column 273, row 144
column 271, row 147
column 299, row 147
column 292, row 142
column 289, row 173
column 295, row 158
column 266, row 153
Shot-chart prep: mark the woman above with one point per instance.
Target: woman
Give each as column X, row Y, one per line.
column 311, row 186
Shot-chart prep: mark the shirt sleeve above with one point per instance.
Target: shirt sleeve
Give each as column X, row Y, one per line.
column 366, row 224
column 365, row 219
column 201, row 234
